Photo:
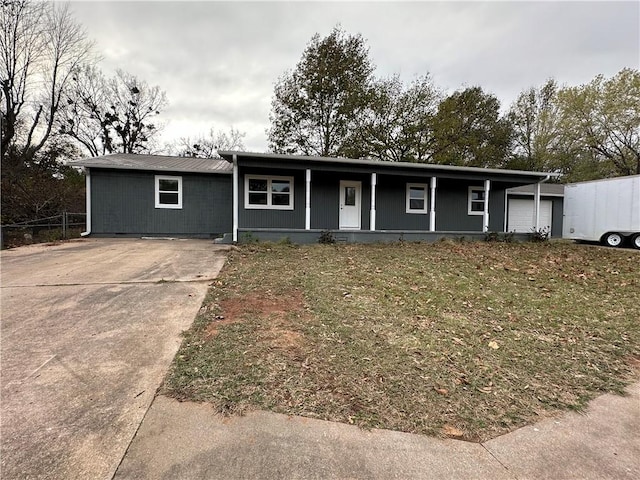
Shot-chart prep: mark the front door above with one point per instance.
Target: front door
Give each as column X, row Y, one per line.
column 350, row 212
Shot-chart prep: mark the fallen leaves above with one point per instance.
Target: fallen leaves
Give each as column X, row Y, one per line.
column 451, row 431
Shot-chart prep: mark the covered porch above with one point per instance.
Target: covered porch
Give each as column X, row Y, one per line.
column 301, row 198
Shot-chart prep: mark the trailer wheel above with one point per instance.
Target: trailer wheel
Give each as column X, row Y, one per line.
column 612, row 239
column 635, row 241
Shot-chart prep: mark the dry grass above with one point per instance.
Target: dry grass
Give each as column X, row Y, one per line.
column 469, row 340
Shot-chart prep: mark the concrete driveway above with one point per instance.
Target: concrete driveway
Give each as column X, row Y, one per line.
column 88, row 331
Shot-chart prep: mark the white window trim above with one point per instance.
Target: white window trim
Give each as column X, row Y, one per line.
column 269, row 205
column 425, row 189
column 470, row 200
column 157, row 192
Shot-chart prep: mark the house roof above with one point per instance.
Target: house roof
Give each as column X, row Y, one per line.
column 129, row 161
column 228, row 155
column 550, row 189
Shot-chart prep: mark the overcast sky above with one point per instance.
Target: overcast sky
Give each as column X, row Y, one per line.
column 218, row 61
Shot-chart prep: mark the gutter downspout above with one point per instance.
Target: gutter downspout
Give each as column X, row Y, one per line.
column 87, row 190
column 235, row 198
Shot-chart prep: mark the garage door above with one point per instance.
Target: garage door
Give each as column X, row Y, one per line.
column 521, row 215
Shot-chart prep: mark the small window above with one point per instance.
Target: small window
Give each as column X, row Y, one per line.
column 268, row 192
column 350, row 196
column 168, row 192
column 476, row 200
column 417, row 198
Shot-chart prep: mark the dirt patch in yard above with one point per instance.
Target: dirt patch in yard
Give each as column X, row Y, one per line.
column 278, row 310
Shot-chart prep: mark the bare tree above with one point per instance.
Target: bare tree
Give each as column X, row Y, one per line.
column 111, row 115
column 40, row 46
column 207, row 146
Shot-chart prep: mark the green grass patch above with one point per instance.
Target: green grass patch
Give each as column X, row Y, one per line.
column 460, row 339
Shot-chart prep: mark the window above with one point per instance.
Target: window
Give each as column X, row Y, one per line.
column 168, row 192
column 268, row 192
column 476, row 200
column 350, row 196
column 417, row 198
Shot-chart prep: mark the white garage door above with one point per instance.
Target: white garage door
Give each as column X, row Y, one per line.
column 521, row 215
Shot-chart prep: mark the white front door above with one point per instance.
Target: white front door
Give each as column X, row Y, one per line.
column 350, row 211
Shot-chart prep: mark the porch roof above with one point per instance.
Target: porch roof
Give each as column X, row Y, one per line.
column 303, row 160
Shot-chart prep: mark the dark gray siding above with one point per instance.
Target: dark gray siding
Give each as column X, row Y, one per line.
column 325, row 198
column 557, row 216
column 265, row 218
column 452, row 206
column 391, row 206
column 325, row 201
column 123, row 202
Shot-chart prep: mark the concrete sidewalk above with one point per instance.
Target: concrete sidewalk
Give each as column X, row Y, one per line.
column 189, row 441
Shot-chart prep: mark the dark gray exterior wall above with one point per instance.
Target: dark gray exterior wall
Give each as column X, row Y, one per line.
column 452, row 207
column 557, row 216
column 123, row 202
column 451, row 202
column 391, row 204
column 265, row 218
column 325, row 200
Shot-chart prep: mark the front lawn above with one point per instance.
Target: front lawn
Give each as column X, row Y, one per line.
column 468, row 340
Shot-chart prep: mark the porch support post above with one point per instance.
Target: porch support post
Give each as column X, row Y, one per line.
column 536, row 206
column 235, row 198
column 372, row 217
column 432, row 205
column 307, row 201
column 485, row 213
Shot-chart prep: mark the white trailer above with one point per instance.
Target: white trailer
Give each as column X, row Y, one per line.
column 606, row 211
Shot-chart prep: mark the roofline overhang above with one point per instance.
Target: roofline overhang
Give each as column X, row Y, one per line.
column 228, row 156
column 82, row 163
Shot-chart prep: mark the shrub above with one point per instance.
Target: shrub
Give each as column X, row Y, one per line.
column 327, row 237
column 540, row 235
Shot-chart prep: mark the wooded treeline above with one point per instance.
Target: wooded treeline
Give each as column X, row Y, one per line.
column 332, row 104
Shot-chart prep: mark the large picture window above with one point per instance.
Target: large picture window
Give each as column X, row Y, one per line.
column 168, row 192
column 477, row 198
column 268, row 192
column 417, row 198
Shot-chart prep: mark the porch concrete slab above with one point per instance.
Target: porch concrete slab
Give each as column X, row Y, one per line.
column 85, row 343
column 602, row 443
column 189, row 441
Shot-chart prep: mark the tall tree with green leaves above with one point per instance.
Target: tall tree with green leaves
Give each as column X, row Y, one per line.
column 315, row 107
column 603, row 119
column 469, row 130
column 396, row 126
column 538, row 142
